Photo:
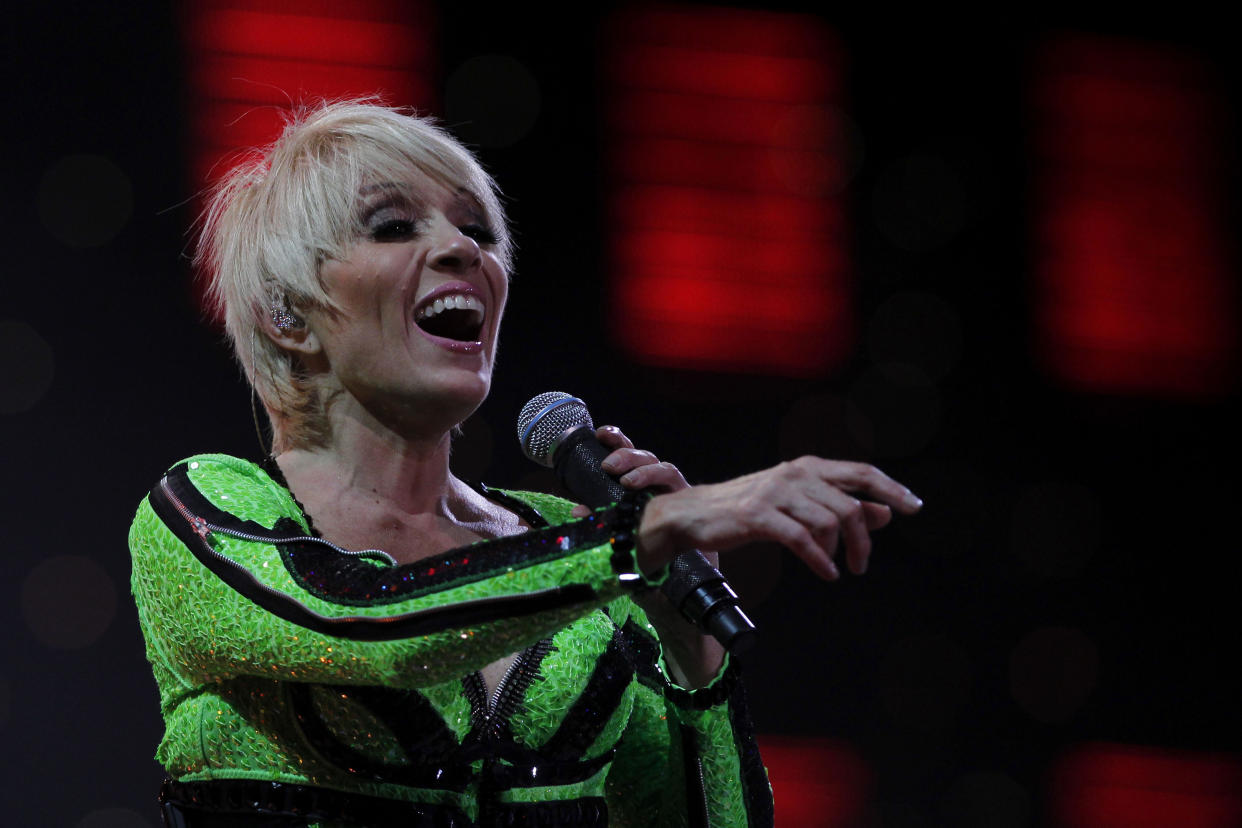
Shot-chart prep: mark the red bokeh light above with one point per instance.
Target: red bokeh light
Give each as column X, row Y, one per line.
column 1122, row 786
column 249, row 62
column 816, row 783
column 726, row 157
column 1134, row 291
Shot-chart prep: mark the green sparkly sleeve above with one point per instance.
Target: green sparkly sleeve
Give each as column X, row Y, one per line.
column 688, row 757
column 227, row 583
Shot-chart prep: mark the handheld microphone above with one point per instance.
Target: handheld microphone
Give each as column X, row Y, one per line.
column 555, row 430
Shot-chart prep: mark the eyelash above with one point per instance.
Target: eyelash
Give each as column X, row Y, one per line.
column 402, row 229
column 393, row 230
column 480, row 233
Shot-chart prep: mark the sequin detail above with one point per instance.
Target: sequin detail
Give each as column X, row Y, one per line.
column 590, row 712
column 427, row 749
column 229, row 673
column 353, row 582
column 645, row 652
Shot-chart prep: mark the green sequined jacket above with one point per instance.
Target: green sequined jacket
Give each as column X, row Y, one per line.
column 298, row 678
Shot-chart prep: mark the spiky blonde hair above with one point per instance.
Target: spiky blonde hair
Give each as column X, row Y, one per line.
column 289, row 207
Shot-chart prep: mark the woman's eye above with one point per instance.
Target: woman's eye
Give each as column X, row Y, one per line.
column 481, row 234
column 393, row 230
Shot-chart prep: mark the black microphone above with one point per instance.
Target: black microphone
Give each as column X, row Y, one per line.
column 555, row 430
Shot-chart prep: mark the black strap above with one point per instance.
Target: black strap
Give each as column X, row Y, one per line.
column 530, row 547
column 246, row 803
column 588, row 812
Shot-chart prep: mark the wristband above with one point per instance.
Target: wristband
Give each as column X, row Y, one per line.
column 627, row 514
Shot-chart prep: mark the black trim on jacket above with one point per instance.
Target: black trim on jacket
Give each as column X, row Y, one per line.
column 366, row 628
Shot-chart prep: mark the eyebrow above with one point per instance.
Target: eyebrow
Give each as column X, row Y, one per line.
column 471, row 202
column 387, row 188
column 376, row 197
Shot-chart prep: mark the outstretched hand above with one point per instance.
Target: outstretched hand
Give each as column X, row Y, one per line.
column 808, row 505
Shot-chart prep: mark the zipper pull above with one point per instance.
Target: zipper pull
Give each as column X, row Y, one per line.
column 199, row 525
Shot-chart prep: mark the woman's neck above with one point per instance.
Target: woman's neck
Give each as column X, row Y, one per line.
column 368, row 463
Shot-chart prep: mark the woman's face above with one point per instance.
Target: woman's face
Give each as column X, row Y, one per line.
column 421, row 294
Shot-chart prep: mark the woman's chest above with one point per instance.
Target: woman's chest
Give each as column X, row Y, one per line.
column 565, row 698
column 573, row 683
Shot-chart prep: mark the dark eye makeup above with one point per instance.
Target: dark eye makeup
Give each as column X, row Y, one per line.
column 394, row 219
column 394, row 229
column 390, row 219
column 481, row 233
column 401, row 229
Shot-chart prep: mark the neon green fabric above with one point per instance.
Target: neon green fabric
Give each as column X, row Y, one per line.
column 241, row 687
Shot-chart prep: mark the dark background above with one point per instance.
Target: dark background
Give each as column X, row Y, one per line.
column 1069, row 581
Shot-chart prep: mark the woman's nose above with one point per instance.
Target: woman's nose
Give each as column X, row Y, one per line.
column 455, row 251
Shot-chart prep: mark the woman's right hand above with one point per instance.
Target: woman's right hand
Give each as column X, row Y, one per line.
column 808, row 505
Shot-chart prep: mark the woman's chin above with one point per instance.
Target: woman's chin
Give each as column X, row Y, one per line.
column 423, row 412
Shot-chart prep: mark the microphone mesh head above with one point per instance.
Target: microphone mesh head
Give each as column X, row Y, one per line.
column 546, row 417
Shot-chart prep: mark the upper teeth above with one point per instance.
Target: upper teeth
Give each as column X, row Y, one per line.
column 454, row 301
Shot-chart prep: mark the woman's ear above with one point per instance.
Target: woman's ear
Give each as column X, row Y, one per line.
column 290, row 331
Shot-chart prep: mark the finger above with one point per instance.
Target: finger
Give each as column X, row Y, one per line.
column 795, row 537
column 613, row 437
column 866, row 479
column 624, row 459
column 823, row 524
column 877, row 515
column 580, row 511
column 659, row 475
column 849, row 511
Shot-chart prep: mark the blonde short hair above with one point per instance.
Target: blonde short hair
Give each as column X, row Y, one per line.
column 278, row 215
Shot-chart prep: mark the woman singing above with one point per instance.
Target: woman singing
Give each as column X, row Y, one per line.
column 347, row 634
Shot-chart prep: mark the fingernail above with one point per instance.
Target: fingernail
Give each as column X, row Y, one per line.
column 629, row 476
column 913, row 501
column 609, row 465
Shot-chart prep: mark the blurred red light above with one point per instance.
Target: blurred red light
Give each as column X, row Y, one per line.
column 816, row 783
column 764, row 77
column 1122, row 786
column 319, row 39
column 726, row 157
column 1134, row 291
column 250, row 61
column 260, row 80
column 698, row 210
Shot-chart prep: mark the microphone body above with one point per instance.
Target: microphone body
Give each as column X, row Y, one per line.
column 556, row 430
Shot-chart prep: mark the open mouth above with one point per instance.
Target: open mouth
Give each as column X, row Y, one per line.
column 455, row 316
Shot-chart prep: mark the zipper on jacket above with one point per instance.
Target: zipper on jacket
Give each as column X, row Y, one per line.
column 496, row 716
column 494, row 711
column 488, row 709
column 698, row 814
column 202, row 528
column 698, row 766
